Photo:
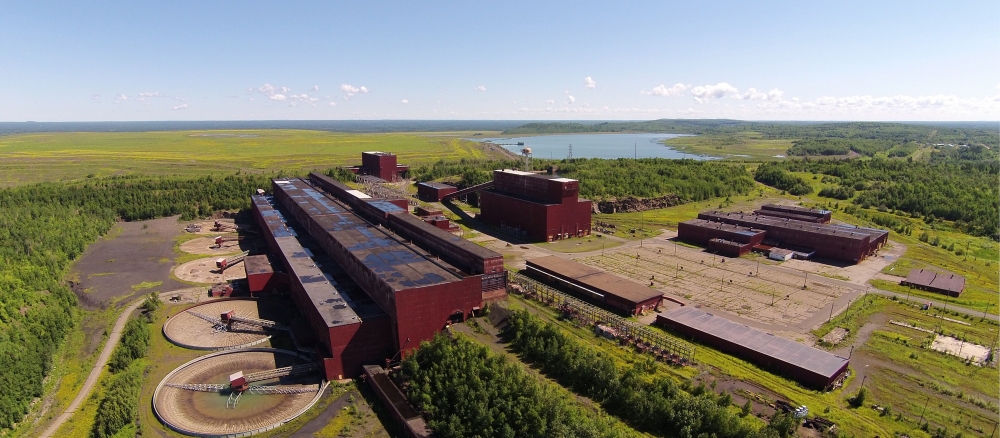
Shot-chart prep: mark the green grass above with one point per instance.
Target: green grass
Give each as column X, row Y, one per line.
column 38, row 157
column 741, row 146
column 855, row 316
column 584, row 244
column 146, row 285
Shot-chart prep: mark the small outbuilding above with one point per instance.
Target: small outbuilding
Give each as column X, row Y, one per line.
column 433, row 191
column 942, row 282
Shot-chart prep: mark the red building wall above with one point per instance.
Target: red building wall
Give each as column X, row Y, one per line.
column 354, row 345
column 542, row 221
column 422, row 312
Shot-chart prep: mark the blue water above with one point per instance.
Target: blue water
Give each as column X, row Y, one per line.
column 595, row 146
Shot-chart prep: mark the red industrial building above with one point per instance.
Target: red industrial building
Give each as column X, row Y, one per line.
column 537, row 207
column 594, row 285
column 380, row 164
column 370, row 294
column 261, row 276
column 809, row 366
column 433, row 191
column 806, row 239
column 795, row 212
column 945, row 282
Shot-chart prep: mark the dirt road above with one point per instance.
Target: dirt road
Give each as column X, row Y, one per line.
column 95, row 373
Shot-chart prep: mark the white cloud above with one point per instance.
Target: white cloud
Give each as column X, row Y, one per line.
column 333, row 103
column 180, row 107
column 350, row 90
column 481, row 88
column 150, row 94
column 120, row 98
column 95, row 97
column 550, row 102
column 588, row 82
column 716, row 91
column 753, row 94
column 302, row 98
column 315, row 88
column 278, row 97
column 570, row 99
column 662, row 90
column 404, row 101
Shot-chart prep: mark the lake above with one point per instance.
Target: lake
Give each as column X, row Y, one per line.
column 594, row 146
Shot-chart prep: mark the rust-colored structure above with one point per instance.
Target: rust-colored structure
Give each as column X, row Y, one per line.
column 261, row 276
column 795, row 212
column 809, row 366
column 370, row 294
column 434, row 191
column 380, row 164
column 410, row 421
column 535, row 207
column 836, row 242
column 944, row 282
column 606, row 290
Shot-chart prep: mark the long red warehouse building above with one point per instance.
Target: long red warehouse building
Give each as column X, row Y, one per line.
column 836, row 242
column 809, row 366
column 418, row 290
column 349, row 328
column 592, row 284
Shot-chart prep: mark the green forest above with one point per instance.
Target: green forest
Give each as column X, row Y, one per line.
column 965, row 192
column 464, row 389
column 657, row 405
column 120, row 406
column 44, row 227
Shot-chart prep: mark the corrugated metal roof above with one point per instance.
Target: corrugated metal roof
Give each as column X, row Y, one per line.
column 776, row 347
column 596, row 279
column 436, row 185
column 397, row 265
column 937, row 280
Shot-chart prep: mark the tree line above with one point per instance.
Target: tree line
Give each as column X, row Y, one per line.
column 895, row 133
column 464, row 389
column 962, row 191
column 120, row 405
column 44, row 227
column 636, row 394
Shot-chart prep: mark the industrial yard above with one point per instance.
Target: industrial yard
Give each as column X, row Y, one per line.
column 322, row 262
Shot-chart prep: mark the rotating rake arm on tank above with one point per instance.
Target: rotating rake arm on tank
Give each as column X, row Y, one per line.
column 219, row 240
column 240, row 383
column 281, row 372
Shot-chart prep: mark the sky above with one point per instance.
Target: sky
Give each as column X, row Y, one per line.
column 534, row 60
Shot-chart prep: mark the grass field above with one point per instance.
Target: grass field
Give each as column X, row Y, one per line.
column 742, row 146
column 28, row 158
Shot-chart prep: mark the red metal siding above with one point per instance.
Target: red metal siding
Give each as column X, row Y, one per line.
column 422, row 312
column 354, row 345
column 433, row 194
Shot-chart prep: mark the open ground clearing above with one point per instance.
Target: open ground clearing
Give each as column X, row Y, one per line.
column 134, row 259
column 903, row 372
column 770, row 296
column 742, row 146
column 38, row 157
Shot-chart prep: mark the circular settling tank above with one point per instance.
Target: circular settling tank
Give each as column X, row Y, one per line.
column 213, row 412
column 191, row 329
